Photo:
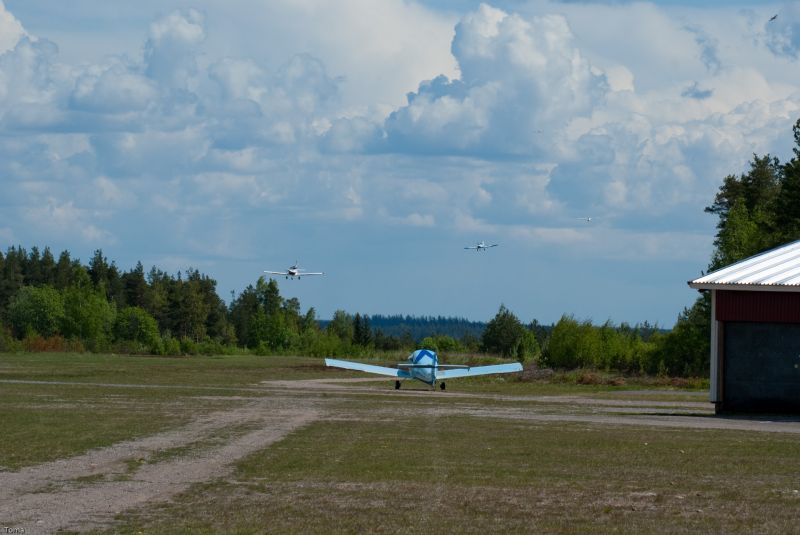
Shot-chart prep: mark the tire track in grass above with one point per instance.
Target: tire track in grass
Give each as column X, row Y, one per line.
column 45, row 498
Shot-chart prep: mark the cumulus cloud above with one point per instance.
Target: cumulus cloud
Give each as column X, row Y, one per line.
column 708, row 49
column 518, row 78
column 115, row 89
column 11, row 29
column 170, row 51
column 783, row 34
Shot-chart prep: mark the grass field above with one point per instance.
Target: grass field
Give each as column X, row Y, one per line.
column 242, row 444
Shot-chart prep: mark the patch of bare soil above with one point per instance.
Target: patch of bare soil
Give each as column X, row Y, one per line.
column 86, row 491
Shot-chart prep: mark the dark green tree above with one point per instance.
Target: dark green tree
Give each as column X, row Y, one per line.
column 342, row 326
column 787, row 206
column 506, row 335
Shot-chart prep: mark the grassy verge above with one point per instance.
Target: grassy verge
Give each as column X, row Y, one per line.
column 35, row 435
column 469, row 475
column 221, row 371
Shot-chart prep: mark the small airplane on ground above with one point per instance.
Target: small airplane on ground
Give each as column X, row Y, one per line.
column 294, row 271
column 423, row 365
column 481, row 246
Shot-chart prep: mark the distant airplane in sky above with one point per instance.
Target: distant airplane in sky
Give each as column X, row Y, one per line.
column 423, row 365
column 587, row 219
column 294, row 271
column 481, row 246
column 775, row 16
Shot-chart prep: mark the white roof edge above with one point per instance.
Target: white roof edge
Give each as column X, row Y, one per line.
column 776, row 269
column 743, row 287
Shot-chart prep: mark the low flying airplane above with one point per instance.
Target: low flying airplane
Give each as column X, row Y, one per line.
column 423, row 365
column 294, row 271
column 481, row 246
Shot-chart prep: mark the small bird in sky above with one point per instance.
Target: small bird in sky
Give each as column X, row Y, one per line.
column 775, row 16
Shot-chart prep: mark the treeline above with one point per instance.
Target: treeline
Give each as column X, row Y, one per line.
column 46, row 303
column 418, row 327
column 638, row 349
column 61, row 304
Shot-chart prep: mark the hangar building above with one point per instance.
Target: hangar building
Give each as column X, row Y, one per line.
column 755, row 332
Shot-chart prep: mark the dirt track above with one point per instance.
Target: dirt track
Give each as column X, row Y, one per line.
column 86, row 491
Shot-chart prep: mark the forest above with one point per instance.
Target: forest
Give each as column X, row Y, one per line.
column 60, row 304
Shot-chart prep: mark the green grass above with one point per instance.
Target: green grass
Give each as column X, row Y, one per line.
column 35, row 435
column 380, row 461
column 469, row 475
column 220, row 371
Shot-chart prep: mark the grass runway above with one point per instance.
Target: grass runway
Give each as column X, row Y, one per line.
column 244, row 444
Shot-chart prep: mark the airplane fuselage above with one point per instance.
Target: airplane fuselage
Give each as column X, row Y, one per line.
column 425, row 363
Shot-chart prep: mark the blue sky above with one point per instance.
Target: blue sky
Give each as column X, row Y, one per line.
column 374, row 140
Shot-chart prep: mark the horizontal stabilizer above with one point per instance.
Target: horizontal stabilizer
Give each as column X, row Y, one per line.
column 439, row 366
column 369, row 368
column 479, row 370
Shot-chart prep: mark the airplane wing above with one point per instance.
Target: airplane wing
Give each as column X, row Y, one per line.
column 470, row 247
column 277, row 272
column 479, row 370
column 369, row 368
column 493, row 245
column 304, row 273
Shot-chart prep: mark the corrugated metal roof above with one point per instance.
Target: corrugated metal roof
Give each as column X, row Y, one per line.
column 777, row 269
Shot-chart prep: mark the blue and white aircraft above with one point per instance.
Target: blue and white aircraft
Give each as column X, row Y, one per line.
column 481, row 246
column 294, row 271
column 423, row 365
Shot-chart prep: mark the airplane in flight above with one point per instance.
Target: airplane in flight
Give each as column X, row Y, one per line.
column 587, row 219
column 423, row 365
column 294, row 271
column 481, row 246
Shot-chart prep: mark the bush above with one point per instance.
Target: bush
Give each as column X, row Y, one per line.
column 8, row 343
column 134, row 324
column 37, row 309
column 36, row 343
column 172, row 346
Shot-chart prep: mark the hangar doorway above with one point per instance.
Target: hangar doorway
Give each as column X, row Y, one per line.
column 761, row 367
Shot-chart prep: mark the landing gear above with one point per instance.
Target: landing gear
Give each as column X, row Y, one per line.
column 441, row 385
column 397, row 385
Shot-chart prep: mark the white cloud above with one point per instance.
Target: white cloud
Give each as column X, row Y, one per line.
column 782, row 35
column 116, row 89
column 63, row 218
column 170, row 52
column 518, row 78
column 11, row 29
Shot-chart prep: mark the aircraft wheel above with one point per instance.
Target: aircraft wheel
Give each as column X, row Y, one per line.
column 397, row 385
column 442, row 386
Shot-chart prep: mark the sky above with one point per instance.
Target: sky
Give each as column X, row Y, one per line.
column 374, row 140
